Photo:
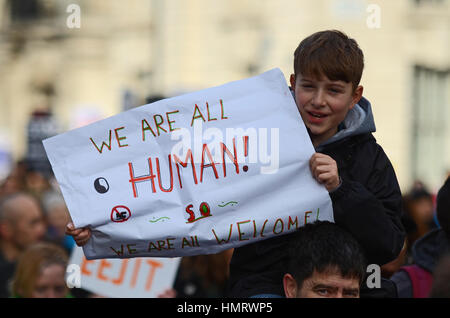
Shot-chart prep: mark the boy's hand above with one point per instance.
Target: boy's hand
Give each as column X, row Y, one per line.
column 168, row 293
column 81, row 236
column 324, row 169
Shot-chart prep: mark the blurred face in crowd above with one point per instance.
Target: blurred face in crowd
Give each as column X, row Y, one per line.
column 50, row 283
column 329, row 284
column 422, row 210
column 58, row 217
column 323, row 103
column 36, row 182
column 26, row 224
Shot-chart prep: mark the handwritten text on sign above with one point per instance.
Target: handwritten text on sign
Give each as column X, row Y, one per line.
column 193, row 174
column 137, row 277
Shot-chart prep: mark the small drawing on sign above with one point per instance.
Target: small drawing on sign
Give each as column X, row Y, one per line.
column 120, row 214
column 232, row 203
column 204, row 210
column 162, row 219
column 101, row 185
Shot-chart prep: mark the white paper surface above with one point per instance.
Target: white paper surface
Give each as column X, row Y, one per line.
column 267, row 191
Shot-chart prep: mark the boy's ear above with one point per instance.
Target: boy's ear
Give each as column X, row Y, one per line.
column 290, row 286
column 292, row 80
column 357, row 95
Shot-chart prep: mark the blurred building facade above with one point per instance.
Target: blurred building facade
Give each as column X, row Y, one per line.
column 124, row 52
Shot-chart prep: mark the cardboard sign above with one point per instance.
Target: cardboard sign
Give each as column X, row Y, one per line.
column 125, row 278
column 193, row 174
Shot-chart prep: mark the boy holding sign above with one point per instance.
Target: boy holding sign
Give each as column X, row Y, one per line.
column 348, row 162
column 354, row 169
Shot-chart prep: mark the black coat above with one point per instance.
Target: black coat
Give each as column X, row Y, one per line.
column 368, row 204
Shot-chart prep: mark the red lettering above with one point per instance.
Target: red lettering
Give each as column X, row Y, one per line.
column 103, row 264
column 233, row 158
column 212, row 164
column 153, row 266
column 133, row 180
column 159, row 175
column 123, row 269
column 184, row 165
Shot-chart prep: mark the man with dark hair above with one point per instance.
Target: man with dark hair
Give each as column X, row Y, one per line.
column 324, row 260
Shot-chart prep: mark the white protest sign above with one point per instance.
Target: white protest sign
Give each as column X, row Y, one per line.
column 123, row 278
column 193, row 174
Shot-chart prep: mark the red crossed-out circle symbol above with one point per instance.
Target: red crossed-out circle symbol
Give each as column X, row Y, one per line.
column 120, row 213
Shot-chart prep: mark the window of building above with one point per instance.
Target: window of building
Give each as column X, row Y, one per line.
column 431, row 102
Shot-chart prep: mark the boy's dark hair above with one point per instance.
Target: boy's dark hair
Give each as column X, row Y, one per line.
column 323, row 246
column 331, row 53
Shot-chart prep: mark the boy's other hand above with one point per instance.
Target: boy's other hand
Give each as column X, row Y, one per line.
column 324, row 169
column 168, row 293
column 81, row 236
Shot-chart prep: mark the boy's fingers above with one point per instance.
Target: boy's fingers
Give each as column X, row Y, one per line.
column 325, row 176
column 81, row 243
column 82, row 236
column 323, row 168
column 82, row 240
column 319, row 155
column 320, row 161
column 329, row 179
column 85, row 234
column 73, row 232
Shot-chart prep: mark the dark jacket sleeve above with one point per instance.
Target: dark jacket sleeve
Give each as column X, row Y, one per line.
column 403, row 284
column 369, row 205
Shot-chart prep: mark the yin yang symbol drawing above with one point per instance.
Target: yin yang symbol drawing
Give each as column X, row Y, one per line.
column 101, row 185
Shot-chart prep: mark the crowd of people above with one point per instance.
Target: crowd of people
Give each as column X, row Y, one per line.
column 34, row 250
column 407, row 236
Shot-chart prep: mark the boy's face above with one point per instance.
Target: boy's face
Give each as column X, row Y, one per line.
column 323, row 104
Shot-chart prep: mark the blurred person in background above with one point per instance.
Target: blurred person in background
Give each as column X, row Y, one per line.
column 419, row 208
column 441, row 279
column 415, row 281
column 37, row 182
column 203, row 275
column 15, row 181
column 387, row 270
column 57, row 216
column 405, row 257
column 40, row 273
column 21, row 225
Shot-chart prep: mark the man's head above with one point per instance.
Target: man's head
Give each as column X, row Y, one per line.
column 328, row 68
column 324, row 261
column 21, row 220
